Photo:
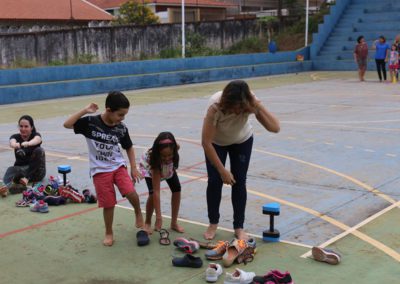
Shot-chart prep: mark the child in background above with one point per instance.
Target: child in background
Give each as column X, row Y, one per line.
column 103, row 133
column 157, row 164
column 393, row 62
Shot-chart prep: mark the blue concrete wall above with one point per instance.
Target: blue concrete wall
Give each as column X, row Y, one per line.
column 56, row 82
column 325, row 29
column 62, row 73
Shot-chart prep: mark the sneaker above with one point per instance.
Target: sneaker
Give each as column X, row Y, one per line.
column 217, row 252
column 186, row 245
column 39, row 206
column 213, row 271
column 236, row 248
column 70, row 193
column 325, row 255
column 274, row 276
column 239, row 276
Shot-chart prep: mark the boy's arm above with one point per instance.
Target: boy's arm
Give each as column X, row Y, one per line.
column 136, row 175
column 91, row 108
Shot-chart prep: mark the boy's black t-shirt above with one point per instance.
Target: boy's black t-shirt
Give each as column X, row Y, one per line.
column 104, row 152
column 23, row 160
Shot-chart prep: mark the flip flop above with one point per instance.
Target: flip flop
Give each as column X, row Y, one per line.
column 164, row 237
column 142, row 238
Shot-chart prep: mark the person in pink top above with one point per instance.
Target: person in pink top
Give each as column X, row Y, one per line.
column 160, row 163
column 361, row 57
column 393, row 62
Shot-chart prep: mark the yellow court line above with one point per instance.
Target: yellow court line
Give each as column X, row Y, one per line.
column 347, row 177
column 359, row 225
column 395, row 255
column 219, row 227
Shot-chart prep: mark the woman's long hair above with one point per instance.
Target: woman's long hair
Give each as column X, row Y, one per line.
column 236, row 93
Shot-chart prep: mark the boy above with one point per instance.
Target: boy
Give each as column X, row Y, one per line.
column 103, row 133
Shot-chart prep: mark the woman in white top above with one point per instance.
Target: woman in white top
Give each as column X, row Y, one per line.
column 226, row 130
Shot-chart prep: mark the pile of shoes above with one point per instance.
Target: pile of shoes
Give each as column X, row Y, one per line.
column 239, row 251
column 54, row 193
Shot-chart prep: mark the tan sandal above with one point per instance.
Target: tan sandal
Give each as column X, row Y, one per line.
column 205, row 245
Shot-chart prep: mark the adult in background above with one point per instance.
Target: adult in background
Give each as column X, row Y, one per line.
column 30, row 162
column 226, row 130
column 381, row 56
column 361, row 57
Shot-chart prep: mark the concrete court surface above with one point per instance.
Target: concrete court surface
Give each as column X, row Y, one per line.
column 334, row 167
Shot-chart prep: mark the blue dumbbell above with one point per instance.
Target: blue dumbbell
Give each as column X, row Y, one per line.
column 64, row 170
column 271, row 209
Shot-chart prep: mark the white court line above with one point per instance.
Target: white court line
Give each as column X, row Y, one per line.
column 354, row 228
column 391, row 155
column 219, row 228
column 349, row 147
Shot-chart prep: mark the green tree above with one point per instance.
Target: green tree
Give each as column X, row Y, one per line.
column 132, row 12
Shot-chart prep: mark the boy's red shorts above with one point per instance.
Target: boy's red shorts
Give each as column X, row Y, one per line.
column 104, row 185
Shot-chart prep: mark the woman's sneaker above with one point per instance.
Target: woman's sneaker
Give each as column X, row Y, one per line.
column 213, row 271
column 325, row 255
column 239, row 277
column 39, row 206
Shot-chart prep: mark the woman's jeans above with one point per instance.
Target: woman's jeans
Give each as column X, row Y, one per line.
column 381, row 67
column 239, row 156
column 34, row 171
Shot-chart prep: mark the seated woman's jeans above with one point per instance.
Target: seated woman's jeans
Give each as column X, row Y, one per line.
column 34, row 171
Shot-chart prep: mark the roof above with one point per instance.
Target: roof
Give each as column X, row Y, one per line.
column 52, row 10
column 109, row 4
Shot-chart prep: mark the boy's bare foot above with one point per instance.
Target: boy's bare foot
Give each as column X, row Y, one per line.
column 177, row 228
column 139, row 220
column 108, row 240
column 148, row 229
column 241, row 234
column 211, row 231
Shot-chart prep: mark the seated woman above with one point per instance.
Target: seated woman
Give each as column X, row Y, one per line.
column 30, row 161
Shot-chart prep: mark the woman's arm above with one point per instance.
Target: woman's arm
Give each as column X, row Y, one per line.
column 33, row 142
column 14, row 144
column 208, row 134
column 267, row 119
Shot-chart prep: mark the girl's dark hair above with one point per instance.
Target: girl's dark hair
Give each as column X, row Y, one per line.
column 359, row 39
column 30, row 120
column 116, row 100
column 163, row 140
column 383, row 38
column 236, row 93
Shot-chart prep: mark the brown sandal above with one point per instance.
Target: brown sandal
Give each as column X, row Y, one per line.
column 205, row 245
column 164, row 237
